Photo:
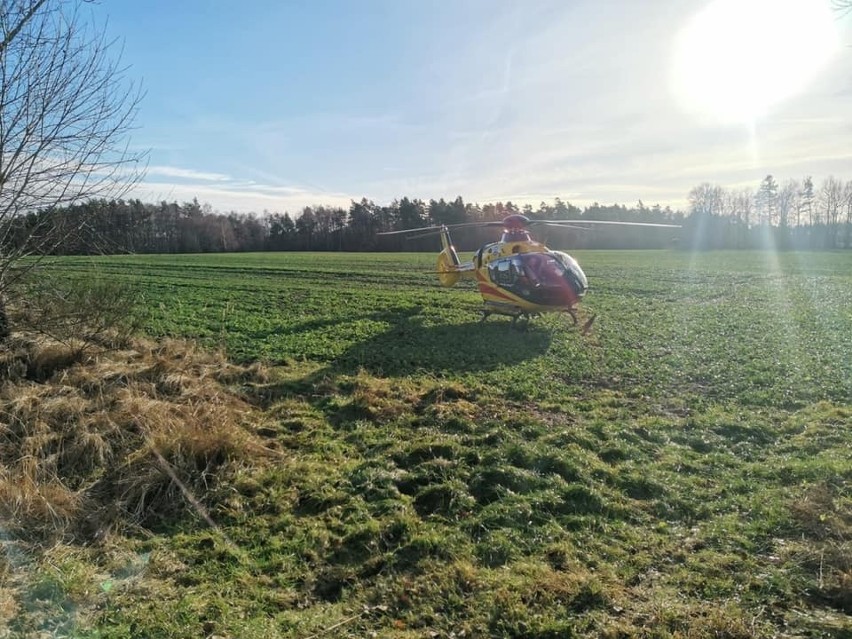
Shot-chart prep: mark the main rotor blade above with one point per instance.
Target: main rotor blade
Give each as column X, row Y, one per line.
column 571, row 224
column 425, row 230
column 612, row 223
column 411, row 231
column 472, row 224
column 563, row 226
column 417, row 236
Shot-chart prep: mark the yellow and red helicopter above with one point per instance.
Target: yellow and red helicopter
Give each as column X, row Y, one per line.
column 518, row 276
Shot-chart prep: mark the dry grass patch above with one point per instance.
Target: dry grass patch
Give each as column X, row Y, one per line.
column 8, row 606
column 93, row 441
column 38, row 358
column 822, row 515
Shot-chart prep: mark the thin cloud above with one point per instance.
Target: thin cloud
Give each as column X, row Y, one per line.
column 243, row 198
column 188, row 174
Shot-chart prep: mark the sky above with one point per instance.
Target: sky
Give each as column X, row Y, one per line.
column 279, row 104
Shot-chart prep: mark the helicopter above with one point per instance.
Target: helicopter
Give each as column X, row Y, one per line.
column 517, row 276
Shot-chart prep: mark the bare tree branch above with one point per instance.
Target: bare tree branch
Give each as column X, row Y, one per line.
column 20, row 24
column 66, row 112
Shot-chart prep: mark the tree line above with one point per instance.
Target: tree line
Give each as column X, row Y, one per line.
column 119, row 225
column 792, row 215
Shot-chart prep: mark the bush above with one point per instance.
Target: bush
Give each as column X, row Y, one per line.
column 89, row 311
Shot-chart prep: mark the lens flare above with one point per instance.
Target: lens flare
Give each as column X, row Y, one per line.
column 735, row 59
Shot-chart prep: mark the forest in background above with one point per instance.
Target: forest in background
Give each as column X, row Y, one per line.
column 793, row 215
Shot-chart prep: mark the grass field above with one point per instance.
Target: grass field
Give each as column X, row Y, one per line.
column 682, row 471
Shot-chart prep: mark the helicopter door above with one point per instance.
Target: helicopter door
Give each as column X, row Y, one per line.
column 512, row 274
column 502, row 273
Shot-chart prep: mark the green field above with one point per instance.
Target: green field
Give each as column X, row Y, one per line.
column 750, row 329
column 682, row 471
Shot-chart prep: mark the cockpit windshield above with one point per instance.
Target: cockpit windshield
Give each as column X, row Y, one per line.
column 541, row 278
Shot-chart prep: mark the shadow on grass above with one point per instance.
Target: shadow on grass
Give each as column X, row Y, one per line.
column 412, row 345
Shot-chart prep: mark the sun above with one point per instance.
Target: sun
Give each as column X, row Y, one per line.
column 737, row 58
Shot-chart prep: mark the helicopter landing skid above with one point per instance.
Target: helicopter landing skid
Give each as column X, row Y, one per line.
column 520, row 318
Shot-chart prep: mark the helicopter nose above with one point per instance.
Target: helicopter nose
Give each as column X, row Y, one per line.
column 574, row 275
column 577, row 280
